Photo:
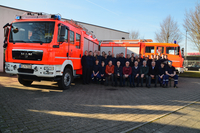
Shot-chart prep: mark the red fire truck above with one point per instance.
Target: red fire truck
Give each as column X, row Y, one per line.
column 145, row 47
column 40, row 46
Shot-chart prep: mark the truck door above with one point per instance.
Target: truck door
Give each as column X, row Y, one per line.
column 74, row 49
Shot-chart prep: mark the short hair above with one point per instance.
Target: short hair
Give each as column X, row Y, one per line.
column 96, row 60
column 90, row 51
column 119, row 61
column 145, row 61
column 135, row 61
column 127, row 62
column 153, row 62
column 102, row 62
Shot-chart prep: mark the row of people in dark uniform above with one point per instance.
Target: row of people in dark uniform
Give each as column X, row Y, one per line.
column 106, row 67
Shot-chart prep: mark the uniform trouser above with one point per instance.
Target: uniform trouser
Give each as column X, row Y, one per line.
column 109, row 77
column 137, row 79
column 142, row 79
column 116, row 78
column 89, row 75
column 95, row 78
column 124, row 78
column 85, row 75
column 102, row 78
column 156, row 79
column 167, row 79
column 161, row 80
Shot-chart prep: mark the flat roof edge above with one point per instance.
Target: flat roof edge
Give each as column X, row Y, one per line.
column 69, row 19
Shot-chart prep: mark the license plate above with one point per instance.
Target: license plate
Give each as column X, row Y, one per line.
column 26, row 66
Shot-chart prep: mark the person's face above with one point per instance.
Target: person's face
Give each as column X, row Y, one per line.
column 109, row 52
column 90, row 53
column 98, row 52
column 113, row 55
column 144, row 63
column 170, row 64
column 110, row 63
column 127, row 64
column 146, row 59
column 118, row 63
column 153, row 64
column 136, row 63
column 102, row 63
column 105, row 56
column 166, row 57
column 132, row 55
column 97, row 62
column 162, row 65
column 95, row 54
column 128, row 56
column 132, row 59
column 86, row 53
column 122, row 55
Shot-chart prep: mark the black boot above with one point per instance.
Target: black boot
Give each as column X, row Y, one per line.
column 175, row 86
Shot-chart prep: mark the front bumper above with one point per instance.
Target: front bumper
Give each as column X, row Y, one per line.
column 36, row 70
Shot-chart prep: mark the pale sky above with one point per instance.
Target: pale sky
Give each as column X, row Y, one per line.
column 144, row 16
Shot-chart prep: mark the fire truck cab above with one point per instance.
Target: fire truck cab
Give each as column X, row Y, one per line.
column 145, row 47
column 40, row 46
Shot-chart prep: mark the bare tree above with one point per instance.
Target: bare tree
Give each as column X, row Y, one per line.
column 192, row 26
column 169, row 31
column 134, row 35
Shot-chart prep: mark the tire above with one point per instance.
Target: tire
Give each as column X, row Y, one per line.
column 24, row 82
column 66, row 79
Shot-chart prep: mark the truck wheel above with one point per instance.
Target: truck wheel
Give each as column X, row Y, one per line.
column 66, row 79
column 24, row 82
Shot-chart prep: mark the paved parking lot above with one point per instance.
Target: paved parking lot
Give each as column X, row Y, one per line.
column 87, row 108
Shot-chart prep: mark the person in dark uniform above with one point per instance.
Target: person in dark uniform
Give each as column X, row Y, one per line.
column 135, row 73
column 99, row 57
column 139, row 62
column 122, row 59
column 91, row 65
column 171, row 72
column 102, row 72
column 113, row 59
column 132, row 61
column 144, row 70
column 106, row 60
column 128, row 58
column 109, row 55
column 158, row 61
column 118, row 73
column 161, row 74
column 133, row 55
column 85, row 67
column 148, row 61
column 153, row 73
column 95, row 73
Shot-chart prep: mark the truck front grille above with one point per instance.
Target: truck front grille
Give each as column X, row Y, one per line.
column 23, row 54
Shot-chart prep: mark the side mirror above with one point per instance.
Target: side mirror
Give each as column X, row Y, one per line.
column 6, row 30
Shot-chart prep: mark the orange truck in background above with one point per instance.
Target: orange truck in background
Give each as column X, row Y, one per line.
column 145, row 47
column 40, row 46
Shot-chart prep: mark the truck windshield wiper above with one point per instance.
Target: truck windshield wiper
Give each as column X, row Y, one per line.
column 38, row 42
column 19, row 41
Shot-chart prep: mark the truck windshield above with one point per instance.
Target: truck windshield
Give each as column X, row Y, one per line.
column 32, row 32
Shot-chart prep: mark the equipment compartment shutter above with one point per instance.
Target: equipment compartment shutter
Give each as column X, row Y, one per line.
column 106, row 49
column 85, row 45
column 95, row 47
column 117, row 50
column 90, row 46
column 135, row 50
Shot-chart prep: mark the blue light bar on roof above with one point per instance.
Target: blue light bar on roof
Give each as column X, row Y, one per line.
column 18, row 17
column 56, row 17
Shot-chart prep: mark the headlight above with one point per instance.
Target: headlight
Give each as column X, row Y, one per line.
column 49, row 68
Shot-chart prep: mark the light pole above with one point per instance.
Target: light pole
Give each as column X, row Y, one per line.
column 186, row 44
